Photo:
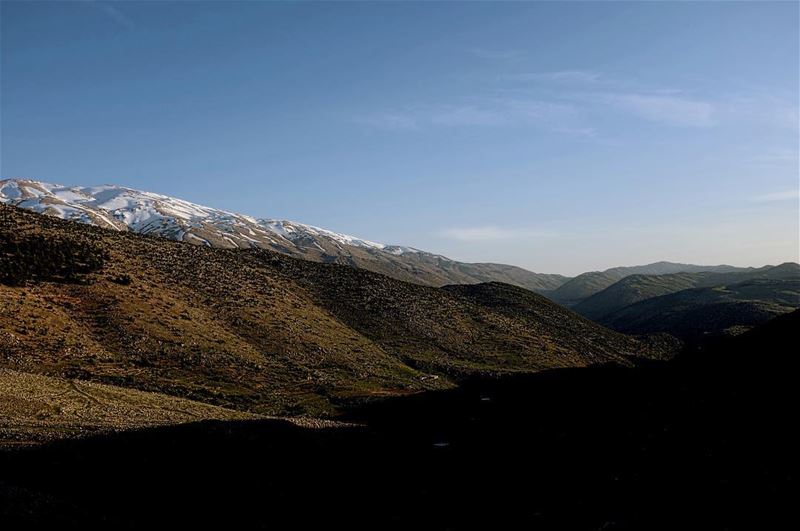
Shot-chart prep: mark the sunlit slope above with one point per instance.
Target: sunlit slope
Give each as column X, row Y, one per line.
column 258, row 331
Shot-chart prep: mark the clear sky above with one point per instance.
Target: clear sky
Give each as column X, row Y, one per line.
column 561, row 137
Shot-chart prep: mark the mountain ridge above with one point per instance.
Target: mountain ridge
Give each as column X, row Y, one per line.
column 583, row 286
column 126, row 209
column 702, row 313
column 636, row 288
column 258, row 331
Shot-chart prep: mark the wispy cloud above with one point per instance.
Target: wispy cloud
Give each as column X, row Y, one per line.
column 492, row 233
column 761, row 109
column 498, row 55
column 786, row 195
column 468, row 115
column 395, row 120
column 777, row 156
column 574, row 102
column 578, row 77
column 669, row 105
column 666, row 109
column 484, row 112
column 112, row 12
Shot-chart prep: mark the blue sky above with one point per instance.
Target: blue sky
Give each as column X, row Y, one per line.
column 561, row 137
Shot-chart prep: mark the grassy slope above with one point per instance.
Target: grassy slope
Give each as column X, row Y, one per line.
column 35, row 408
column 585, row 285
column 635, row 288
column 693, row 313
column 261, row 332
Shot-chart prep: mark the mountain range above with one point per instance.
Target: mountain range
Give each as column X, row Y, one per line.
column 257, row 331
column 125, row 209
column 166, row 362
column 604, row 296
column 635, row 288
column 698, row 313
column 583, row 286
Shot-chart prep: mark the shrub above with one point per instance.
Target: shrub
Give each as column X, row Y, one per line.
column 36, row 257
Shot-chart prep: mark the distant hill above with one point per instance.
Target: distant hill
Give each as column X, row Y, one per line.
column 697, row 313
column 579, row 288
column 257, row 331
column 124, row 209
column 635, row 288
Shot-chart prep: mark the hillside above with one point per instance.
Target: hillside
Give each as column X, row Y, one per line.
column 125, row 209
column 704, row 439
column 635, row 288
column 36, row 409
column 697, row 313
column 258, row 331
column 579, row 288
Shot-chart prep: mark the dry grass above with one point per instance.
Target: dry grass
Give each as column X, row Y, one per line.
column 35, row 408
column 260, row 332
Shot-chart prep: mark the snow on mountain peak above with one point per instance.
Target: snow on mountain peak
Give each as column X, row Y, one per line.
column 121, row 208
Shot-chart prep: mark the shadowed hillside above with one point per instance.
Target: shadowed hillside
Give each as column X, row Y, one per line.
column 257, row 331
column 695, row 314
column 635, row 288
column 704, row 441
column 577, row 289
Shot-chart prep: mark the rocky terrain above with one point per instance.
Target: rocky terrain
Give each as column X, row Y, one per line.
column 260, row 332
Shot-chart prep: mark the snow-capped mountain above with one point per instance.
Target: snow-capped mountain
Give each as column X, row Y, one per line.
column 120, row 208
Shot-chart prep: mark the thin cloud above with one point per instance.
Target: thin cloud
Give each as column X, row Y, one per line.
column 388, row 120
column 671, row 110
column 112, row 12
column 587, row 132
column 786, row 195
column 468, row 115
column 581, row 77
column 485, row 112
column 593, row 90
column 497, row 55
column 492, row 233
column 776, row 157
column 497, row 111
column 761, row 109
column 575, row 102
